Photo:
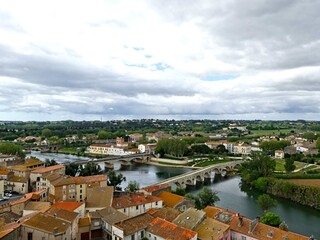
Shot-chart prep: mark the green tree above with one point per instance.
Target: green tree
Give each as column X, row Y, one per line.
column 259, row 165
column 90, row 169
column 49, row 162
column 309, row 136
column 289, row 165
column 115, row 179
column 318, row 143
column 102, row 134
column 265, row 202
column 72, row 169
column 271, row 219
column 272, row 145
column 46, row 133
column 11, row 149
column 207, row 197
column 180, row 191
column 133, row 186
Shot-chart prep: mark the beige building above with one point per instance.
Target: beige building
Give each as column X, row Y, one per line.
column 242, row 149
column 36, row 174
column 279, row 154
column 17, row 184
column 24, row 170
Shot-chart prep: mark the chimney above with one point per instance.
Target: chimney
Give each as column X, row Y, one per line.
column 55, row 231
column 270, row 234
column 240, row 223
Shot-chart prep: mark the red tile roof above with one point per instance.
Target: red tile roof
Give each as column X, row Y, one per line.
column 170, row 199
column 70, row 206
column 170, row 231
column 48, row 169
column 134, row 224
column 133, row 199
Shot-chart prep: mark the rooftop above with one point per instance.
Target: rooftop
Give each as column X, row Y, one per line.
column 166, row 213
column 99, row 197
column 38, row 206
column 190, row 219
column 46, row 223
column 170, row 199
column 133, row 199
column 168, row 230
column 70, row 206
column 48, row 169
column 62, row 214
column 211, row 228
column 111, row 215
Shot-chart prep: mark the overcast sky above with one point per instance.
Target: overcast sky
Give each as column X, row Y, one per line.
column 168, row 59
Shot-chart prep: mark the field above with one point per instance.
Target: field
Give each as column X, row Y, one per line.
column 269, row 132
column 280, row 165
column 306, row 182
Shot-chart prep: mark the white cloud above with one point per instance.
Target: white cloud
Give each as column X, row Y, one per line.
column 120, row 59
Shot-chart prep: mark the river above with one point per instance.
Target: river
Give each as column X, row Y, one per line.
column 300, row 219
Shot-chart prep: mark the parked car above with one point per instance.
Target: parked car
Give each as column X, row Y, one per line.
column 8, row 194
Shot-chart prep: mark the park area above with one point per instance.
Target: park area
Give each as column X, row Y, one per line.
column 280, row 165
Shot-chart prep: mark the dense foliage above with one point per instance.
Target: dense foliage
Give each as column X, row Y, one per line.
column 174, row 147
column 265, row 202
column 306, row 195
column 207, row 197
column 115, row 179
column 271, row 219
column 260, row 165
column 11, row 149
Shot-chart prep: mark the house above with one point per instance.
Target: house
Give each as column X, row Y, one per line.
column 69, row 216
column 135, row 137
column 133, row 204
column 132, row 228
column 242, row 148
column 24, row 170
column 191, row 218
column 162, row 229
column 243, row 228
column 104, row 219
column 99, row 198
column 84, row 225
column 165, row 213
column 9, row 160
column 107, row 149
column 73, row 189
column 36, row 174
column 35, row 207
column 77, row 207
column 46, row 227
column 279, row 154
column 17, row 184
column 213, row 229
column 155, row 190
column 147, row 148
column 176, row 201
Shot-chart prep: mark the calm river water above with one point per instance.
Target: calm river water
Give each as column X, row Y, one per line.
column 300, row 219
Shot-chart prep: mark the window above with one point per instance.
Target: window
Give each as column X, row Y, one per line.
column 30, row 236
column 81, row 191
column 156, row 203
column 80, row 186
column 132, row 237
column 137, row 207
column 243, row 238
column 233, row 236
column 124, row 210
column 142, row 234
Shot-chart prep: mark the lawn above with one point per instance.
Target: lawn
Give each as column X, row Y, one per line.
column 211, row 162
column 270, row 132
column 280, row 165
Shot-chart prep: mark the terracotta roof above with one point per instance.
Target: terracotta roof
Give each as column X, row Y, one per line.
column 46, row 223
column 134, row 224
column 4, row 172
column 48, row 169
column 111, row 215
column 27, row 197
column 70, row 206
column 170, row 199
column 84, row 222
column 99, row 197
column 211, row 228
column 133, row 199
column 62, row 214
column 260, row 231
column 67, row 180
column 18, row 179
column 165, row 213
column 154, row 188
column 169, row 231
column 38, row 206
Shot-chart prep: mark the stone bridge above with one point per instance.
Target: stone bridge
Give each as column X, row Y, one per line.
column 191, row 178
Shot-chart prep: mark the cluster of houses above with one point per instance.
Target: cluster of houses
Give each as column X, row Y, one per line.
column 60, row 207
